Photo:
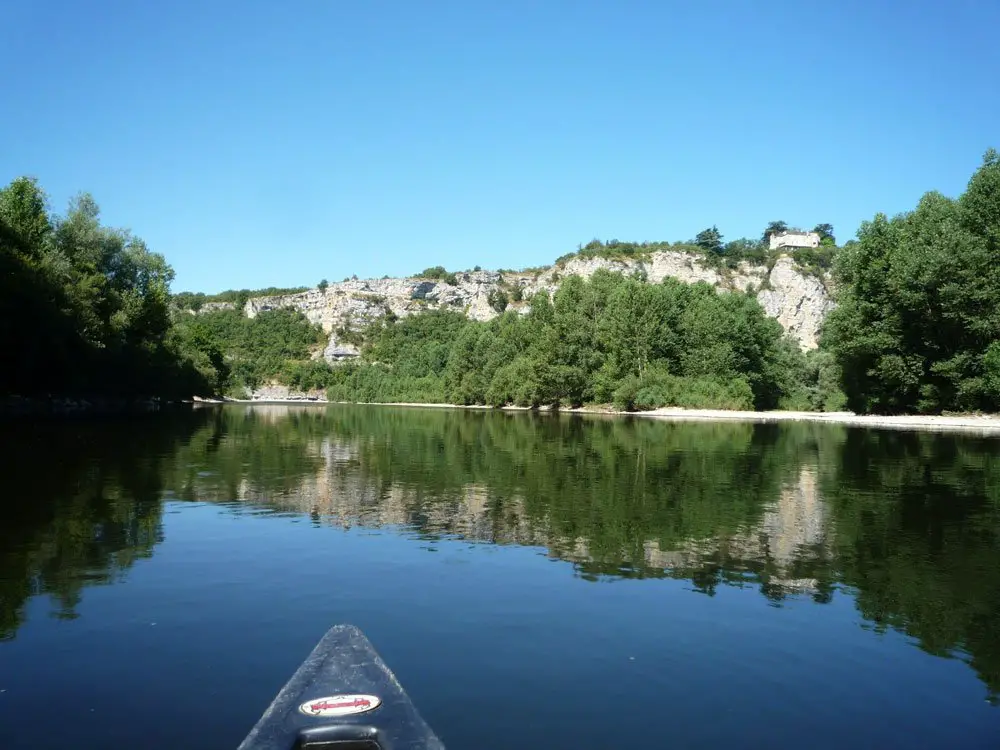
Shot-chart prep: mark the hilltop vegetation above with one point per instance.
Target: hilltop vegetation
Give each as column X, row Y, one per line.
column 236, row 297
column 709, row 245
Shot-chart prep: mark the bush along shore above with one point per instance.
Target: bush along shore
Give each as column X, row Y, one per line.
column 916, row 329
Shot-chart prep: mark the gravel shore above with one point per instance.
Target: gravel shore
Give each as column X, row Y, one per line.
column 982, row 424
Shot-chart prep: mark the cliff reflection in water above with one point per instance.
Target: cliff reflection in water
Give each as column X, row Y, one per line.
column 710, row 502
column 907, row 523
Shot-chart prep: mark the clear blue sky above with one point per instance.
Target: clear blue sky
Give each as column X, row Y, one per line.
column 277, row 143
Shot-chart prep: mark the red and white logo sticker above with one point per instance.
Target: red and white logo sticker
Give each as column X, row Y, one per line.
column 340, row 705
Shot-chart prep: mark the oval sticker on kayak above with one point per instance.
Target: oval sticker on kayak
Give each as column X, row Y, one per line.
column 340, row 705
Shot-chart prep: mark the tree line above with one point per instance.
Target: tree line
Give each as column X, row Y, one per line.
column 234, row 353
column 195, row 301
column 607, row 339
column 917, row 327
column 86, row 309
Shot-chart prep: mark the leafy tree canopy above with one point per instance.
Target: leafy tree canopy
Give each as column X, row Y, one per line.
column 919, row 304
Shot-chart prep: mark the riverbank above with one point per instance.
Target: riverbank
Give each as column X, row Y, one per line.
column 975, row 423
column 965, row 422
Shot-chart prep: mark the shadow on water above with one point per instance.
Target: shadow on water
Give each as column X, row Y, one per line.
column 908, row 523
column 81, row 501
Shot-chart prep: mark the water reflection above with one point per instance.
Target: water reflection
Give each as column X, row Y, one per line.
column 907, row 523
column 81, row 502
column 709, row 502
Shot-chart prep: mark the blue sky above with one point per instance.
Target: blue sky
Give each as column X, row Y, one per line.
column 268, row 143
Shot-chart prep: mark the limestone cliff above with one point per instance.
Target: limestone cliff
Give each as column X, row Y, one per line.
column 800, row 302
column 797, row 300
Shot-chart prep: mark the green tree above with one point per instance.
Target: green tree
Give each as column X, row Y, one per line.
column 745, row 249
column 710, row 240
column 498, row 300
column 919, row 304
column 991, row 370
column 440, row 273
column 825, row 232
column 85, row 308
column 24, row 220
column 466, row 377
column 773, row 227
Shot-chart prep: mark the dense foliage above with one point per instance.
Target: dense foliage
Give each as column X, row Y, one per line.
column 235, row 352
column 607, row 339
column 235, row 297
column 439, row 273
column 84, row 308
column 918, row 323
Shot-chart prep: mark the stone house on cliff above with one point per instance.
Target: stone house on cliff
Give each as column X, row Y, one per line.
column 792, row 239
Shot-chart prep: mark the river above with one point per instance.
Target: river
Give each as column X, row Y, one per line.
column 534, row 580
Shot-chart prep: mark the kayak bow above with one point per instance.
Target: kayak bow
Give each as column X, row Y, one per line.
column 343, row 697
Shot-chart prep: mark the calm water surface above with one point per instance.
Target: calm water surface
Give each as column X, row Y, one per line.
column 534, row 581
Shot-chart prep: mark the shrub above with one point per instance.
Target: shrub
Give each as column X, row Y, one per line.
column 498, row 300
column 658, row 389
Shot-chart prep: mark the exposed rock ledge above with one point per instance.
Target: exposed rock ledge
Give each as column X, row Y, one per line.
column 797, row 300
column 284, row 394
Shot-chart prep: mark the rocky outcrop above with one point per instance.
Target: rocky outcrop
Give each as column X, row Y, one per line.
column 339, row 351
column 354, row 303
column 278, row 392
column 216, row 307
column 797, row 300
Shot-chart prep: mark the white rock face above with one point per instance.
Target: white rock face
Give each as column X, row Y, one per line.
column 682, row 266
column 216, row 306
column 748, row 277
column 337, row 351
column 798, row 301
column 277, row 392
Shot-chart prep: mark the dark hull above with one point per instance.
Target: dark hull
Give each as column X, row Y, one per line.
column 343, row 675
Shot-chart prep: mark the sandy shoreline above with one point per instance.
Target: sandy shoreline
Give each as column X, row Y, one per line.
column 981, row 424
column 970, row 422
